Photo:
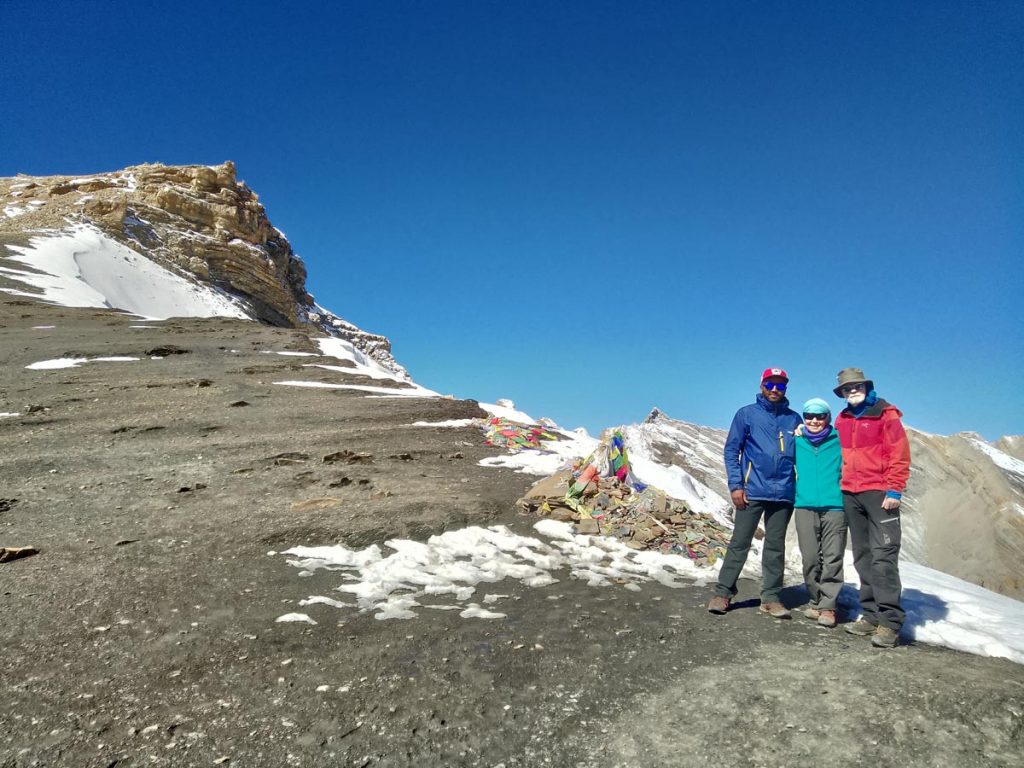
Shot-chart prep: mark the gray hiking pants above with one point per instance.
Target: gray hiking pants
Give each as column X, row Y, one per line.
column 875, row 535
column 776, row 520
column 822, row 537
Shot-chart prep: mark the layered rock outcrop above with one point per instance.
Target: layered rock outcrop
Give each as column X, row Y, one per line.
column 196, row 220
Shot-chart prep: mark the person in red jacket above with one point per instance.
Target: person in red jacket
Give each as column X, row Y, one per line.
column 876, row 465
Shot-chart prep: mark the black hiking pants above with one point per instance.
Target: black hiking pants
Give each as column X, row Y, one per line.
column 875, row 536
column 773, row 556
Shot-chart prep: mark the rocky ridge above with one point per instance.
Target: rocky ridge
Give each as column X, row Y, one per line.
column 198, row 221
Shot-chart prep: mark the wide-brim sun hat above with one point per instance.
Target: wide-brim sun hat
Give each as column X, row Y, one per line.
column 852, row 376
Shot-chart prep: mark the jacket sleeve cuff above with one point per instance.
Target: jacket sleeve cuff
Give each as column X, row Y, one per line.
column 893, row 495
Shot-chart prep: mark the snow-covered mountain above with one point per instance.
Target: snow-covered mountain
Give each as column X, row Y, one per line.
column 198, row 243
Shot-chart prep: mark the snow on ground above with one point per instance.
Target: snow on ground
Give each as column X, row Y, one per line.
column 362, row 365
column 676, row 482
column 74, row 362
column 446, row 571
column 295, row 617
column 449, row 423
column 575, row 444
column 449, row 566
column 384, row 391
column 506, row 409
column 82, row 267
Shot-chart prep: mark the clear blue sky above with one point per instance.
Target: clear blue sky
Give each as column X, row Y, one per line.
column 593, row 208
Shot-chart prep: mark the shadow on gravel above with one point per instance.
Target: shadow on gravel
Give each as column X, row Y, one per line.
column 921, row 608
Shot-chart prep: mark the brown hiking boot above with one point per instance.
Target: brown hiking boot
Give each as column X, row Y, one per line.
column 812, row 613
column 776, row 610
column 885, row 637
column 861, row 627
column 718, row 605
column 827, row 618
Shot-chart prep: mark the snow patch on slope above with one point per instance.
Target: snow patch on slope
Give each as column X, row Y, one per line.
column 82, row 267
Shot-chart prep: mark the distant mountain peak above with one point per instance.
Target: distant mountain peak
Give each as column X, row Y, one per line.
column 654, row 415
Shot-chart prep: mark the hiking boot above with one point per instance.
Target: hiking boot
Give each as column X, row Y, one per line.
column 861, row 627
column 812, row 613
column 884, row 637
column 776, row 610
column 827, row 618
column 718, row 605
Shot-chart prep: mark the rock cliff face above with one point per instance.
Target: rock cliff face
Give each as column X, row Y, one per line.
column 963, row 509
column 196, row 220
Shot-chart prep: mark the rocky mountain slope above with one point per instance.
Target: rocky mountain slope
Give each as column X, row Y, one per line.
column 199, row 221
column 963, row 509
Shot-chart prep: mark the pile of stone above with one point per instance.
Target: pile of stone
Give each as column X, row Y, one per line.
column 642, row 519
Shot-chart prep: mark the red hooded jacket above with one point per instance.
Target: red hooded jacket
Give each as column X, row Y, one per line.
column 876, row 452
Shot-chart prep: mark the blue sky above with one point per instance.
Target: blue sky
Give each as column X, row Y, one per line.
column 593, row 208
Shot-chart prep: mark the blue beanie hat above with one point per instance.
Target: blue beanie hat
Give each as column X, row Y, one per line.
column 817, row 405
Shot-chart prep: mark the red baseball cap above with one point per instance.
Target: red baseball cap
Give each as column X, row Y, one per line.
column 769, row 372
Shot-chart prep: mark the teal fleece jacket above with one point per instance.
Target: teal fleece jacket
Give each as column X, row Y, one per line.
column 818, row 469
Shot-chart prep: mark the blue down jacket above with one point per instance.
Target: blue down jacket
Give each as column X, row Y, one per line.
column 760, row 452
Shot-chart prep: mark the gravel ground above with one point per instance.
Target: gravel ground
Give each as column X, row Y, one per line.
column 144, row 632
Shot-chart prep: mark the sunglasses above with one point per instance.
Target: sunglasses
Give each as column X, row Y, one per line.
column 815, row 417
column 852, row 388
column 778, row 385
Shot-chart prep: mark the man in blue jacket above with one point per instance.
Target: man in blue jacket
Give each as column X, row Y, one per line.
column 760, row 460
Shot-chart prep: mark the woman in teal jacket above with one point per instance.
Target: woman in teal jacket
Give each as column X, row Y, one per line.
column 820, row 521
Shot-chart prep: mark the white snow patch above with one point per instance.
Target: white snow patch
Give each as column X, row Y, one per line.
column 941, row 609
column 449, row 423
column 453, row 563
column 474, row 611
column 74, row 362
column 364, row 364
column 573, row 445
column 8, row 415
column 416, row 391
column 297, row 617
column 42, row 327
column 82, row 267
column 506, row 409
